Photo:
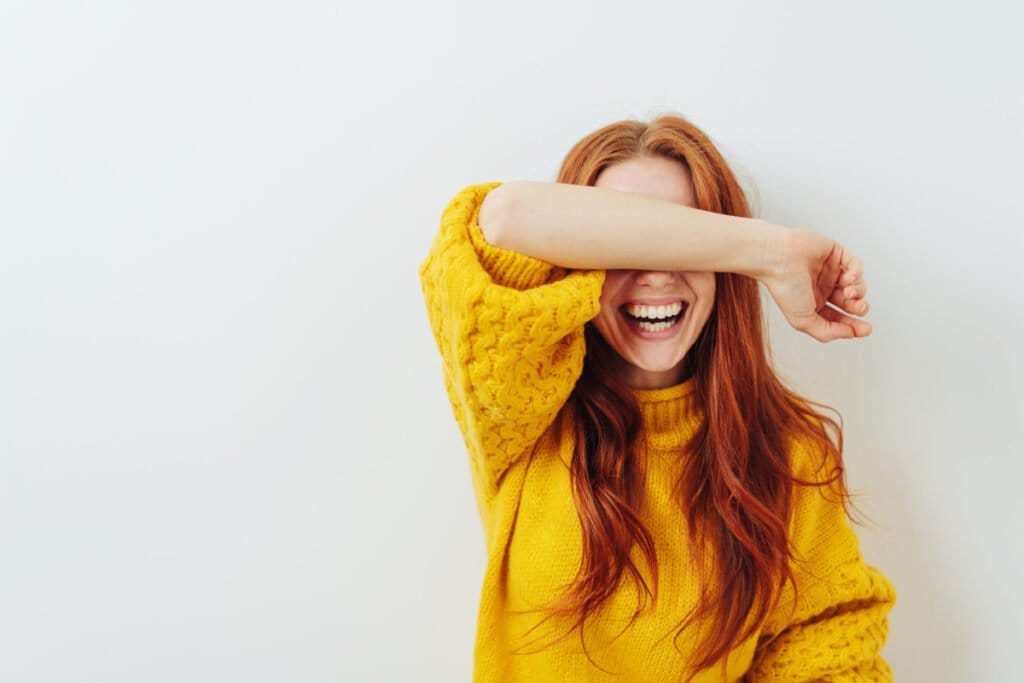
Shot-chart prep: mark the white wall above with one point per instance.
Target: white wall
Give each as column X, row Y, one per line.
column 225, row 450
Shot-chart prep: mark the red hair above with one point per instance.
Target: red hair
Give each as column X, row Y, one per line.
column 736, row 487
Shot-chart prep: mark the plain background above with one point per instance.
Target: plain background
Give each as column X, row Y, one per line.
column 225, row 449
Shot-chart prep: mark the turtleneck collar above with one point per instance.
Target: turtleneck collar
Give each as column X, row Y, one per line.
column 671, row 414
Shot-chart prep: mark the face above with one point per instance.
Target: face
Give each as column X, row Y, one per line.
column 652, row 318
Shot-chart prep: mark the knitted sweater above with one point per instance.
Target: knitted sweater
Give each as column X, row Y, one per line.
column 509, row 328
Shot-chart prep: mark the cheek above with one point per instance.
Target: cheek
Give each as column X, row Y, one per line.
column 708, row 293
column 705, row 286
column 613, row 280
column 604, row 321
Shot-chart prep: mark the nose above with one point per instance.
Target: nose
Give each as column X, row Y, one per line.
column 656, row 278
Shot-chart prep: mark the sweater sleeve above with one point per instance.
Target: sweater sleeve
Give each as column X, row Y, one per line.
column 840, row 622
column 509, row 328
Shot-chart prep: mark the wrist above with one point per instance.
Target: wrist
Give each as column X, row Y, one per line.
column 768, row 249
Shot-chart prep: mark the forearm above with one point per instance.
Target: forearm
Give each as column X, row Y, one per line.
column 578, row 226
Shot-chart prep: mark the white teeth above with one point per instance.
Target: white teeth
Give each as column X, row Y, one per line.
column 654, row 327
column 639, row 311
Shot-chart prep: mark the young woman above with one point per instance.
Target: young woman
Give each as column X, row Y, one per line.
column 657, row 504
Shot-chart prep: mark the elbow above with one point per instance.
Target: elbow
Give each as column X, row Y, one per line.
column 493, row 217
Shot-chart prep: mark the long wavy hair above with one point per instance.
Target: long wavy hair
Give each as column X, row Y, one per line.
column 736, row 487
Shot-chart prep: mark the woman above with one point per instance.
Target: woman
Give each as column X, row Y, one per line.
column 645, row 480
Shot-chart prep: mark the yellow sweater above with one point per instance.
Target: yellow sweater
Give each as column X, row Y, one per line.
column 509, row 329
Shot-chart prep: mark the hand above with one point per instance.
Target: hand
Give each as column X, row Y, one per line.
column 806, row 270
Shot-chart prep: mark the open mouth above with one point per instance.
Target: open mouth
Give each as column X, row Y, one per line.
column 654, row 318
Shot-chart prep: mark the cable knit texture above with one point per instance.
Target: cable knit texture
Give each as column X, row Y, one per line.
column 509, row 329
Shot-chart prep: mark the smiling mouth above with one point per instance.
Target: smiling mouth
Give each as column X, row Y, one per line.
column 653, row 320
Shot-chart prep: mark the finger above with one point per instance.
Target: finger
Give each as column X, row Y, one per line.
column 831, row 324
column 832, row 268
column 852, row 264
column 850, row 299
column 855, row 306
column 822, row 327
column 852, row 270
column 855, row 289
column 845, row 326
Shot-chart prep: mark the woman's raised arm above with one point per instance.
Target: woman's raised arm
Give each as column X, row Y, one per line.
column 585, row 227
column 579, row 226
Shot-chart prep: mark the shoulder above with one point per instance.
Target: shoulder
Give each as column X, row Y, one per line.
column 810, row 457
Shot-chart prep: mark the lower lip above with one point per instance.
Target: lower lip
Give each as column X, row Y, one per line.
column 635, row 328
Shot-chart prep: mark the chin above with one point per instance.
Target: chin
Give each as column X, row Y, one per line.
column 656, row 365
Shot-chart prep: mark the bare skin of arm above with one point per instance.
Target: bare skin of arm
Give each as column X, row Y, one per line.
column 585, row 227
